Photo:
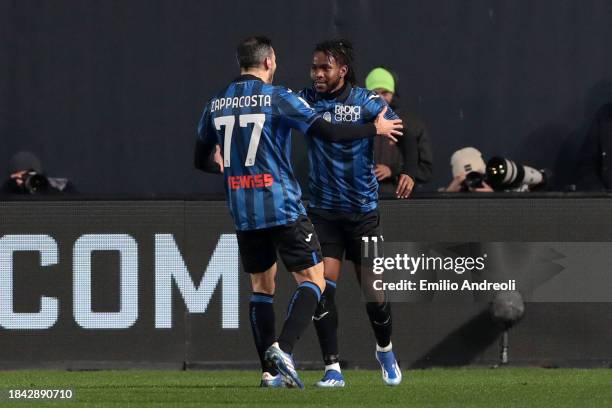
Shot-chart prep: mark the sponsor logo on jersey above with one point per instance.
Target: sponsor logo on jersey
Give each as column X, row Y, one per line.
column 327, row 116
column 347, row 113
column 250, row 181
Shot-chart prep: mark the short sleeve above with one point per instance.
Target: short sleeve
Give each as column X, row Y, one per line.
column 207, row 134
column 294, row 111
column 373, row 104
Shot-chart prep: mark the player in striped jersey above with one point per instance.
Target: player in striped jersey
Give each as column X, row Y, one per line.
column 244, row 132
column 344, row 201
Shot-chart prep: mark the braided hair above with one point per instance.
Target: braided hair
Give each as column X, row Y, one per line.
column 342, row 51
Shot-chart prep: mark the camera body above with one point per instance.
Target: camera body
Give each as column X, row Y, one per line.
column 33, row 182
column 473, row 180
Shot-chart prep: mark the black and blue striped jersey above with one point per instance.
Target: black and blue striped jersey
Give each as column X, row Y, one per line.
column 341, row 175
column 252, row 122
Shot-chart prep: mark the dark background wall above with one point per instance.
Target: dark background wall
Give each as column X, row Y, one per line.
column 109, row 92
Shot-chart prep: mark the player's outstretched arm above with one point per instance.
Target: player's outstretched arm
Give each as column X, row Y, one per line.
column 347, row 132
column 341, row 132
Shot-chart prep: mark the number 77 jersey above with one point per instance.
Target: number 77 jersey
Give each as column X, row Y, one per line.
column 252, row 122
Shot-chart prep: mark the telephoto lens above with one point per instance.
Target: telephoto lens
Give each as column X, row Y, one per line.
column 504, row 174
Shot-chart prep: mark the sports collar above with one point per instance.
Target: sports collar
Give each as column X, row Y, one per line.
column 340, row 95
column 247, row 77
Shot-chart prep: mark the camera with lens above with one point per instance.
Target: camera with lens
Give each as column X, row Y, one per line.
column 25, row 175
column 504, row 174
column 498, row 173
column 473, row 180
column 33, row 182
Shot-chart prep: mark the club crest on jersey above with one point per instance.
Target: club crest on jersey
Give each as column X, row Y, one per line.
column 327, row 116
column 347, row 113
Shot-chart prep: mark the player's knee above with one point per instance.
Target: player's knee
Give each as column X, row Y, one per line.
column 313, row 274
column 264, row 287
column 263, row 283
column 319, row 280
column 332, row 268
column 332, row 275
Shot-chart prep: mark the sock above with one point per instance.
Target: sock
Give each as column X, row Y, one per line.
column 299, row 314
column 261, row 315
column 334, row 366
column 380, row 318
column 384, row 349
column 325, row 321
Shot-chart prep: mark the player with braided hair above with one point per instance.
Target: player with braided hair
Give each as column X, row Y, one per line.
column 344, row 200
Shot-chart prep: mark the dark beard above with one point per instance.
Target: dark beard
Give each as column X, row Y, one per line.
column 330, row 88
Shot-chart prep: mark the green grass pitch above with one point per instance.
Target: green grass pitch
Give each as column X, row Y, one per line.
column 469, row 387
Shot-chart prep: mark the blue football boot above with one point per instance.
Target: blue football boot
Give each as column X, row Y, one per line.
column 285, row 366
column 331, row 379
column 391, row 373
column 271, row 381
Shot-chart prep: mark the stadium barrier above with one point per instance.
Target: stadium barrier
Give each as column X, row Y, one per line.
column 87, row 284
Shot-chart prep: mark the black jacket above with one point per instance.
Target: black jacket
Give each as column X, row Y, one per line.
column 417, row 160
column 421, row 168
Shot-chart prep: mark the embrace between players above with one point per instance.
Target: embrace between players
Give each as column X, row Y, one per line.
column 245, row 133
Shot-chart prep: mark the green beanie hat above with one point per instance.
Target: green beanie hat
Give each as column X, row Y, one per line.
column 380, row 78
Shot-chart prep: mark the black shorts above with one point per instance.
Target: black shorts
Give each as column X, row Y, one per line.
column 297, row 244
column 344, row 232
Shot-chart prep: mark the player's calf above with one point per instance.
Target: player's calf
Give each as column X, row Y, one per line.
column 261, row 316
column 299, row 314
column 325, row 320
column 381, row 321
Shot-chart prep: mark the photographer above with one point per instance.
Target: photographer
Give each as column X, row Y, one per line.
column 471, row 173
column 25, row 176
column 469, row 169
